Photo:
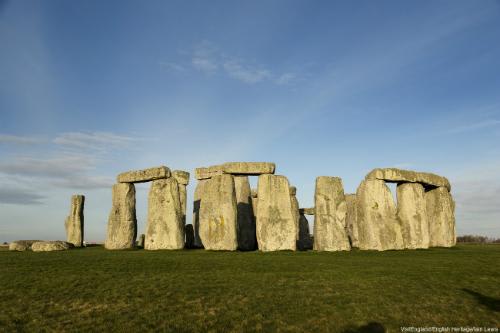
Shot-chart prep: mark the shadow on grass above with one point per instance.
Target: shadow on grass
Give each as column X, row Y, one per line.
column 371, row 327
column 490, row 302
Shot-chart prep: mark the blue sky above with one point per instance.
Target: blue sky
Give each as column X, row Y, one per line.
column 89, row 89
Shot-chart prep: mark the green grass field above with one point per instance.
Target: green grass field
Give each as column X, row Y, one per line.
column 193, row 290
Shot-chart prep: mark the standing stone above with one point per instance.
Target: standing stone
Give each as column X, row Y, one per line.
column 74, row 222
column 330, row 215
column 189, row 231
column 255, row 201
column 378, row 226
column 165, row 227
column 182, row 178
column 351, row 217
column 440, row 214
column 141, row 240
column 413, row 215
column 198, row 195
column 295, row 209
column 247, row 240
column 218, row 214
column 305, row 242
column 122, row 222
column 276, row 223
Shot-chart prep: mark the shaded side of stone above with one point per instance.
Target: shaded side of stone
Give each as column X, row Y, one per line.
column 247, row 239
column 198, row 195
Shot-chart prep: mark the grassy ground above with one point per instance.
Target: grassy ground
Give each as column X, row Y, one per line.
column 183, row 291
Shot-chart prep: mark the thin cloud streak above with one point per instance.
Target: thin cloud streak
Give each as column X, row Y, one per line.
column 474, row 127
column 20, row 140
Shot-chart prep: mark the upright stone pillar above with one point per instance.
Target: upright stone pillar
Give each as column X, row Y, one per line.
column 255, row 201
column 74, row 222
column 413, row 215
column 247, row 240
column 218, row 214
column 165, row 226
column 378, row 225
column 441, row 217
column 198, row 195
column 330, row 213
column 122, row 222
column 182, row 178
column 305, row 242
column 276, row 223
column 295, row 211
column 351, row 219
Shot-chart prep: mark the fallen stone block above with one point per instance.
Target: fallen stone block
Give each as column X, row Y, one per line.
column 47, row 246
column 146, row 175
column 22, row 245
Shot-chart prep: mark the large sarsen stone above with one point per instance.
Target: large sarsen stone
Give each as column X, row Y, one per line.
column 74, row 222
column 122, row 222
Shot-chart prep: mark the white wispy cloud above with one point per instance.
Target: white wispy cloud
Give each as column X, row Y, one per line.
column 208, row 59
column 21, row 140
column 474, row 126
column 100, row 141
column 19, row 196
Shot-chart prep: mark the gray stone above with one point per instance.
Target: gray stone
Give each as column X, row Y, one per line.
column 146, row 175
column 413, row 215
column 304, row 242
column 198, row 194
column 22, row 245
column 189, row 231
column 74, row 222
column 218, row 214
column 182, row 178
column 351, row 219
column 165, row 225
column 276, row 224
column 393, row 175
column 441, row 217
column 378, row 225
column 255, row 201
column 140, row 240
column 295, row 209
column 207, row 173
column 247, row 240
column 122, row 222
column 47, row 246
column 330, row 215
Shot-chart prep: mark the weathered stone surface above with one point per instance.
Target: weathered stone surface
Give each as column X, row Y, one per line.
column 276, row 224
column 45, row 246
column 74, row 222
column 248, row 168
column 330, row 215
column 207, row 173
column 393, row 175
column 295, row 209
column 22, row 245
column 189, row 231
column 293, row 190
column 181, row 176
column 140, row 240
column 122, row 222
column 255, row 201
column 441, row 217
column 351, row 219
column 247, row 240
column 218, row 214
column 165, row 225
column 146, row 175
column 198, row 194
column 307, row 211
column 378, row 226
column 304, row 242
column 412, row 215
